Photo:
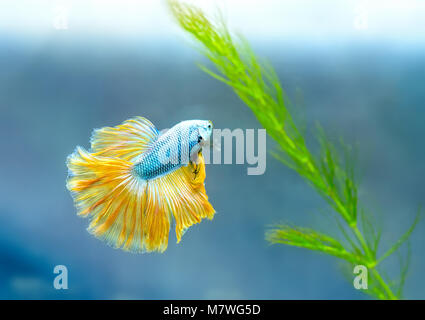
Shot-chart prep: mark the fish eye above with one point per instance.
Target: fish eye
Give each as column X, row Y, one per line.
column 209, row 126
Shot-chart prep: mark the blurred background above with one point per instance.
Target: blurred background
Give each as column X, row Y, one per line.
column 67, row 67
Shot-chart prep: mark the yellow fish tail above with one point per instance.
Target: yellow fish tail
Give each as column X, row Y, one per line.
column 130, row 213
column 106, row 191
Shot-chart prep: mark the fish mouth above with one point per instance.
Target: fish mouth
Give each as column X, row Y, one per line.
column 206, row 134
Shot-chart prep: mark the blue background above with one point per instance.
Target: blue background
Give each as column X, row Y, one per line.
column 57, row 85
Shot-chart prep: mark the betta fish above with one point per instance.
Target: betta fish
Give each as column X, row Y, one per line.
column 136, row 180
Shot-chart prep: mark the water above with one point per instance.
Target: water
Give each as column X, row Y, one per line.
column 55, row 90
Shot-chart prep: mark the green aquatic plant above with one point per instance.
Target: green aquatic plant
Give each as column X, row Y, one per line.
column 330, row 171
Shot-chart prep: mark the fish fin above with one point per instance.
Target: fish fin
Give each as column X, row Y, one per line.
column 126, row 141
column 122, row 208
column 182, row 194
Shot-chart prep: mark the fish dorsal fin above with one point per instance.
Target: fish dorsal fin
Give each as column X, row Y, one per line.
column 126, row 141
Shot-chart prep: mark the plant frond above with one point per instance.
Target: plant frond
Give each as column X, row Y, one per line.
column 331, row 172
column 404, row 269
column 309, row 239
column 402, row 239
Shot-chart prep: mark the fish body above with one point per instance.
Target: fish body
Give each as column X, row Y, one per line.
column 135, row 180
column 174, row 149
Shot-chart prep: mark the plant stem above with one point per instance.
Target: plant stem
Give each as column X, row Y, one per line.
column 370, row 258
column 384, row 285
column 260, row 89
column 372, row 263
column 362, row 241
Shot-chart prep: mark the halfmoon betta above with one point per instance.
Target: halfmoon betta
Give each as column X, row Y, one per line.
column 135, row 180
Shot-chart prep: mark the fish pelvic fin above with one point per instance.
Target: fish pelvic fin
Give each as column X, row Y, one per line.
column 121, row 210
column 126, row 141
column 182, row 194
